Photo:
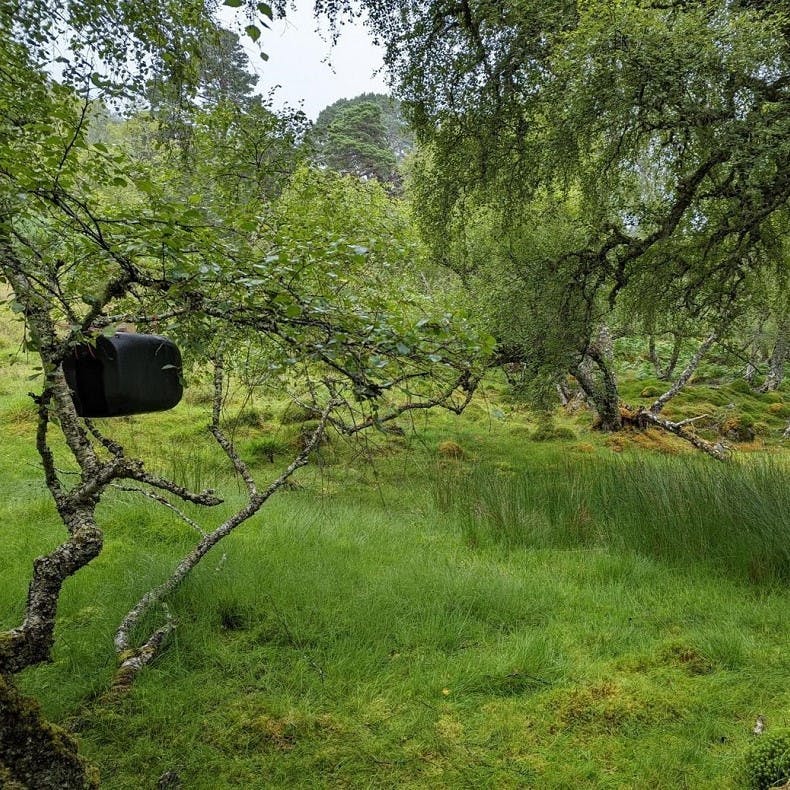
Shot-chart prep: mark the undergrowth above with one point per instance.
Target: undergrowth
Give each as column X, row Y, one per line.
column 595, row 615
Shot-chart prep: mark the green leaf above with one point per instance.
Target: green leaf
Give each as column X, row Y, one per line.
column 266, row 10
column 264, row 56
column 253, row 32
column 233, row 3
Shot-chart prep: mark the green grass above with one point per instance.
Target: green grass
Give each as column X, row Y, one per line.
column 370, row 629
column 683, row 510
column 341, row 645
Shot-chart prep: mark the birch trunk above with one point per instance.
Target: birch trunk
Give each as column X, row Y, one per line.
column 603, row 393
column 776, row 365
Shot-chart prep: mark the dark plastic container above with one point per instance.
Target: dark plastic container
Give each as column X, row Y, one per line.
column 124, row 374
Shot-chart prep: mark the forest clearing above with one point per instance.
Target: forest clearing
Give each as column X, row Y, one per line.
column 440, row 441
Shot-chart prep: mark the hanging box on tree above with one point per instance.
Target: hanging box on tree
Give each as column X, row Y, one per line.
column 124, row 374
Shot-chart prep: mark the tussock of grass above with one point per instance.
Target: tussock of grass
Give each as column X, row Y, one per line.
column 685, row 510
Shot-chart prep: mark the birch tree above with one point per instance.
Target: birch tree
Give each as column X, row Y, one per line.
column 664, row 127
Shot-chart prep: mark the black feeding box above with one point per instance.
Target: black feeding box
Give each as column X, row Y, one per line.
column 124, row 374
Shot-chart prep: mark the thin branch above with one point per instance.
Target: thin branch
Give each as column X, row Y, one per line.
column 130, row 318
column 256, row 501
column 465, row 382
column 238, row 463
column 692, row 420
column 135, row 472
column 109, row 444
column 688, row 371
column 162, row 501
column 73, row 141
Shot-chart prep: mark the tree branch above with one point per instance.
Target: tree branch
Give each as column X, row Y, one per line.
column 134, row 659
column 687, row 373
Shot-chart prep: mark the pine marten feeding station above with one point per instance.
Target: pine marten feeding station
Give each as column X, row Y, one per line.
column 124, row 374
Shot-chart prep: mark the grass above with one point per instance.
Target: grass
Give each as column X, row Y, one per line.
column 683, row 510
column 371, row 629
column 342, row 645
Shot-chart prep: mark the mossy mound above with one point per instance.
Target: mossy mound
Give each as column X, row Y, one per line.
column 650, row 392
column 738, row 427
column 548, row 432
column 450, row 449
column 741, row 386
column 767, row 761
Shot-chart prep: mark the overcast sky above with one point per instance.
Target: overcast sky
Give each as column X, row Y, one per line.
column 309, row 70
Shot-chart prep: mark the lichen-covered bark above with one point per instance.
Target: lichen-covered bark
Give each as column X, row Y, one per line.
column 31, row 642
column 687, row 373
column 603, row 394
column 776, row 365
column 34, row 754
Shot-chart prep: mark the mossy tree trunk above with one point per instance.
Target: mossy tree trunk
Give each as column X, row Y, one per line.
column 35, row 753
column 776, row 364
column 602, row 390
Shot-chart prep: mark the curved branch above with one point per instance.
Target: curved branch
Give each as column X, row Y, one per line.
column 134, row 659
column 687, row 373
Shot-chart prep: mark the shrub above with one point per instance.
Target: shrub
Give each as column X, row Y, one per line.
column 761, row 428
column 650, row 392
column 767, row 761
column 778, row 409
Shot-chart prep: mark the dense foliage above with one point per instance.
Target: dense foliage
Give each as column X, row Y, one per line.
column 589, row 179
column 191, row 216
column 584, row 157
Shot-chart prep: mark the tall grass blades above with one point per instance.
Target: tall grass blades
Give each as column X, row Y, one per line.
column 684, row 510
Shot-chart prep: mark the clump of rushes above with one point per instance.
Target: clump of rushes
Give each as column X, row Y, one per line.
column 767, row 761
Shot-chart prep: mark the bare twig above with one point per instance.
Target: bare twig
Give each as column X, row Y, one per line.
column 256, row 500
column 444, row 400
column 162, row 501
column 136, row 472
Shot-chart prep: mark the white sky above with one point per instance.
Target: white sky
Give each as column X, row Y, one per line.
column 310, row 72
